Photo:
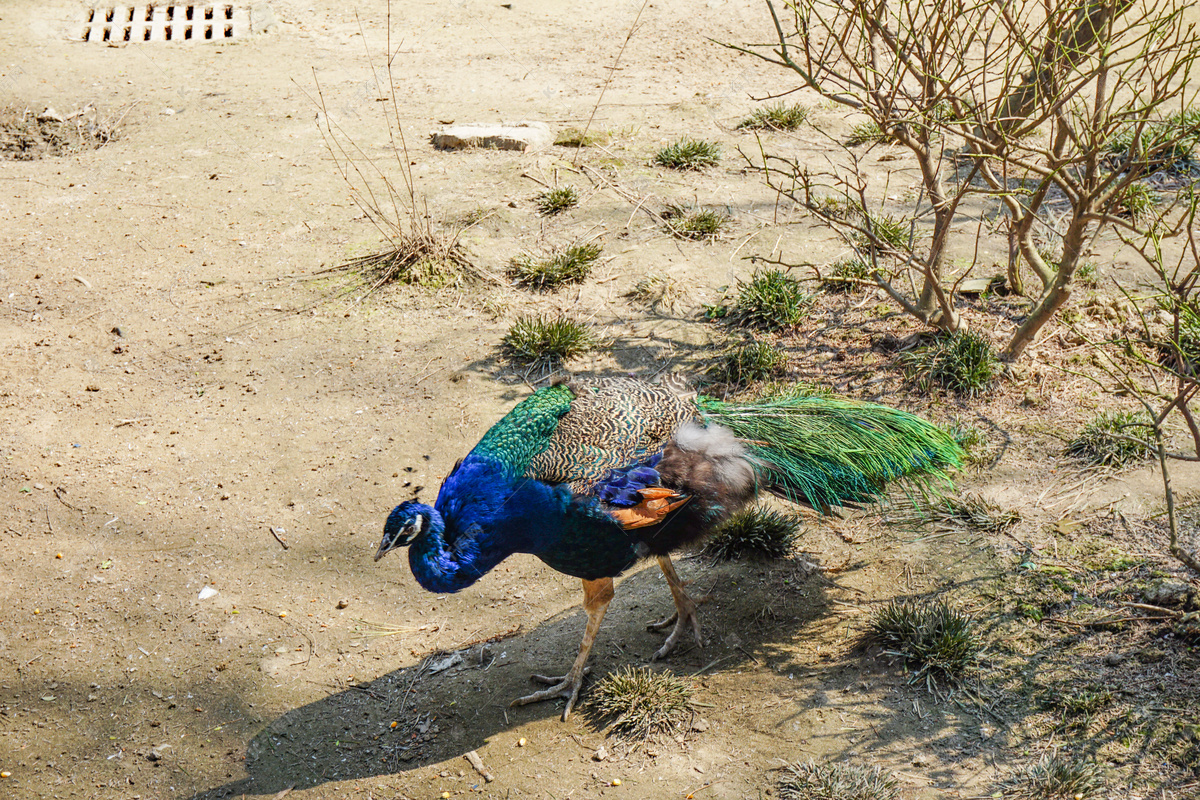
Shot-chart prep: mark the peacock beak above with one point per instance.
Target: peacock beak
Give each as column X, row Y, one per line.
column 381, row 553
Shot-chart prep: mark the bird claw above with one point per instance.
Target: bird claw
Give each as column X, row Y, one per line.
column 564, row 686
column 688, row 619
column 662, row 624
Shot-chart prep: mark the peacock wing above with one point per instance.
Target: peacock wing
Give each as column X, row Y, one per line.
column 527, row 430
column 611, row 423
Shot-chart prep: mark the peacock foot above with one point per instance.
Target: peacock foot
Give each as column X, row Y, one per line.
column 564, row 686
column 685, row 618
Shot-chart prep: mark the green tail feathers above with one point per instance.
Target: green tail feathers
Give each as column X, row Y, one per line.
column 832, row 452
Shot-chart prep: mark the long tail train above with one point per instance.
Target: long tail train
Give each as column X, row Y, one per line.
column 826, row 452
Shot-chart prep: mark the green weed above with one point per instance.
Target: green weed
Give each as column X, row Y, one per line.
column 1113, row 439
column 694, row 223
column 935, row 640
column 644, row 703
column 571, row 265
column 756, row 532
column 689, row 154
column 771, row 300
column 847, row 275
column 555, row 201
column 963, row 363
column 537, row 339
column 779, row 117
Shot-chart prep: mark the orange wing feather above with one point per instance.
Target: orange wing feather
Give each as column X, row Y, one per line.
column 657, row 502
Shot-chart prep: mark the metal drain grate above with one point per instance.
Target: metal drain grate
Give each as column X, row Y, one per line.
column 214, row 22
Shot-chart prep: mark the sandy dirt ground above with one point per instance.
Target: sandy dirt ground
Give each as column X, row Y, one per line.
column 201, row 433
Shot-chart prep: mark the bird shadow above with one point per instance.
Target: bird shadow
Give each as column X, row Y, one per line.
column 451, row 703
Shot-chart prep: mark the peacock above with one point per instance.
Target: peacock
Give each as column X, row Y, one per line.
column 592, row 477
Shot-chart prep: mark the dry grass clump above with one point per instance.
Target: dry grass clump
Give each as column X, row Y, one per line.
column 427, row 258
column 570, row 265
column 27, row 135
column 958, row 513
column 643, row 703
column 694, row 223
column 756, row 532
column 659, row 291
column 1054, row 777
column 811, row 781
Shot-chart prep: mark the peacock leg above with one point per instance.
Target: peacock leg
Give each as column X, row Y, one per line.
column 685, row 611
column 596, row 597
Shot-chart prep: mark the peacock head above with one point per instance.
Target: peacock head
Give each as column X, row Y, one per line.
column 406, row 522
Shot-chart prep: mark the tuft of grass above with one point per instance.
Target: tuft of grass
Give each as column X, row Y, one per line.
column 779, row 117
column 935, row 640
column 868, row 132
column 963, row 362
column 810, row 781
column 838, row 207
column 972, row 441
column 757, row 532
column 644, row 703
column 890, row 233
column 659, row 291
column 844, row 276
column 972, row 511
column 957, row 513
column 540, row 340
column 694, row 223
column 1167, row 145
column 1113, row 439
column 1080, row 705
column 555, row 201
column 570, row 265
column 426, row 258
column 771, row 300
column 748, row 363
column 575, row 137
column 1054, row 777
column 1086, row 274
column 688, row 153
column 1136, row 201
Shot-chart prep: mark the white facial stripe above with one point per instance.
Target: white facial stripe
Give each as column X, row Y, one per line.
column 420, row 526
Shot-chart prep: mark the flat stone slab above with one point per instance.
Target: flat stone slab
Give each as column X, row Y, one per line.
column 522, row 136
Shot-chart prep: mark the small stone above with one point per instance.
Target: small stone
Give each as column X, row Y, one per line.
column 50, row 115
column 700, row 725
column 157, row 752
column 1113, row 659
column 522, row 136
column 1162, row 593
column 343, row 603
column 600, row 754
